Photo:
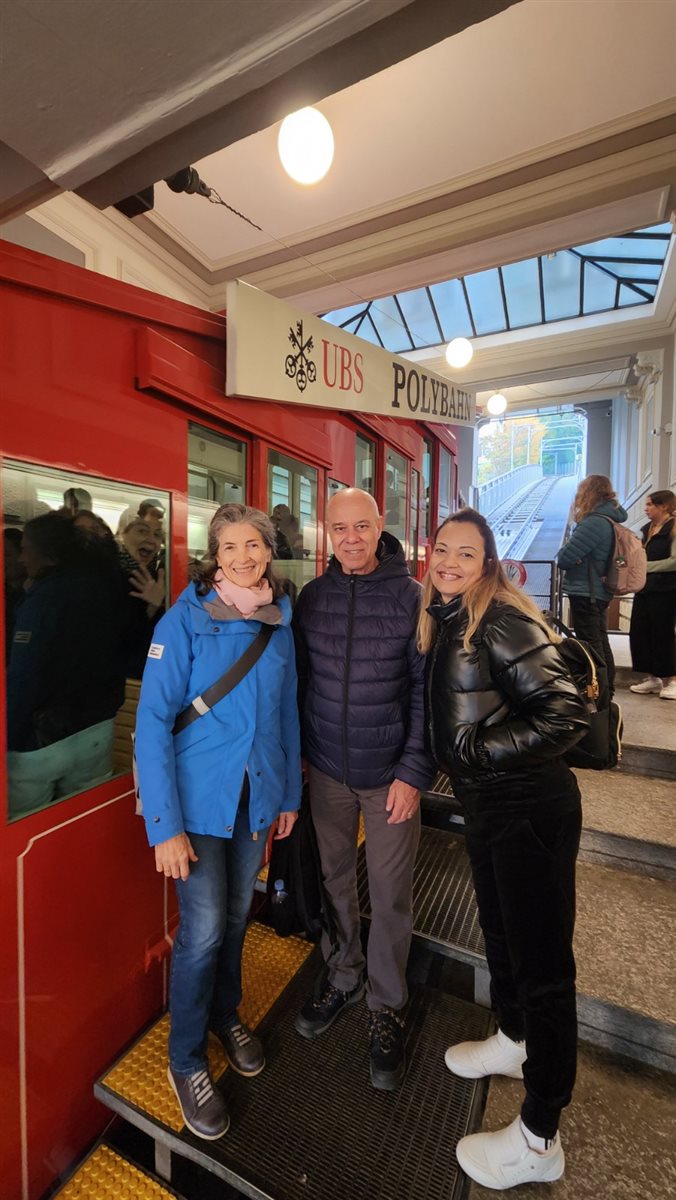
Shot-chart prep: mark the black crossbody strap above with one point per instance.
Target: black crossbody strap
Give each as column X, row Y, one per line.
column 234, row 675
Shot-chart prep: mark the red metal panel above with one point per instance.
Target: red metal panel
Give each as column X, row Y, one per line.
column 83, row 910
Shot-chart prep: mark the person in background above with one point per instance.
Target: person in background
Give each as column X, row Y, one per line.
column 502, row 712
column 584, row 561
column 64, row 680
column 76, row 499
column 15, row 578
column 361, row 684
column 138, row 548
column 652, row 633
column 212, row 791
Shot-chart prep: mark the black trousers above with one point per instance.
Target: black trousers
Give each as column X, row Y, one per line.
column 524, row 878
column 590, row 622
column 652, row 633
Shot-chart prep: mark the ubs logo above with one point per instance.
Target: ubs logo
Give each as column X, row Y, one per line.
column 299, row 365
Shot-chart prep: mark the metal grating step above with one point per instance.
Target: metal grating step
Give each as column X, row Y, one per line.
column 312, row 1126
column 444, row 908
column 105, row 1175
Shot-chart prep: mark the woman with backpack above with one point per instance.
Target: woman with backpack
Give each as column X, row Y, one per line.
column 502, row 711
column 652, row 633
column 584, row 560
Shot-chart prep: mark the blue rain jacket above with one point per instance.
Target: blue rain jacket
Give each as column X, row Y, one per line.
column 192, row 782
column 584, row 557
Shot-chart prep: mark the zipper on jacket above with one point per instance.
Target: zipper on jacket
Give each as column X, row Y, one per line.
column 348, row 651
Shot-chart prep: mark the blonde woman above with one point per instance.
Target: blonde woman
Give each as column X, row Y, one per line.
column 502, row 710
column 652, row 634
column 584, row 560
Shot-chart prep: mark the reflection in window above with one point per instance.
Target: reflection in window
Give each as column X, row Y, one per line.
column 216, row 475
column 292, row 504
column 445, row 483
column 428, row 450
column 395, row 495
column 414, row 522
column 333, row 487
column 85, row 584
column 364, row 464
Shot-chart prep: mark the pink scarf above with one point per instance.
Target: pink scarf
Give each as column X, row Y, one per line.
column 245, row 600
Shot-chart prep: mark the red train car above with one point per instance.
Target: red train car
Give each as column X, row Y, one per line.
column 112, row 396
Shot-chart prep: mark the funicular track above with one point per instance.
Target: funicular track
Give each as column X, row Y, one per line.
column 515, row 525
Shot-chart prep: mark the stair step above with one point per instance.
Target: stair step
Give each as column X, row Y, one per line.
column 623, row 938
column 617, row 1133
column 650, row 734
column 311, row 1124
column 629, row 823
column 623, row 946
column 106, row 1175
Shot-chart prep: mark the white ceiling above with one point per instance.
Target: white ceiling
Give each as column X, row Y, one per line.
column 459, row 145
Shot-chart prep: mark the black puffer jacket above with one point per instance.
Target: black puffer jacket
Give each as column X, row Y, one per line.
column 501, row 716
column 361, row 680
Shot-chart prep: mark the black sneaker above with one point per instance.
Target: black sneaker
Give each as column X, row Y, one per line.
column 202, row 1106
column 320, row 1011
column 386, row 1048
column 243, row 1050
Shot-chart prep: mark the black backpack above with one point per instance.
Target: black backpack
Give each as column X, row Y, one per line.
column 303, row 906
column 601, row 746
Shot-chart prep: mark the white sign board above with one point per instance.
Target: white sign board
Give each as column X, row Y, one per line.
column 275, row 352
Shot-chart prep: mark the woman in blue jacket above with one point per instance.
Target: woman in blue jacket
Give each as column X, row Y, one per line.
column 212, row 791
column 584, row 560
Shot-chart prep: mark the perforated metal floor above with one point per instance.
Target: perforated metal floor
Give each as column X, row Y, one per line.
column 312, row 1126
column 444, row 908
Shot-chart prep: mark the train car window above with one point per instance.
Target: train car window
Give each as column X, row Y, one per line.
column 333, row 486
column 445, row 485
column 292, row 504
column 395, row 495
column 414, row 522
column 365, row 464
column 216, row 475
column 85, row 583
column 426, row 505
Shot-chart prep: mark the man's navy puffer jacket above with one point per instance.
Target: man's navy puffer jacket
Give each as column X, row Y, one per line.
column 360, row 677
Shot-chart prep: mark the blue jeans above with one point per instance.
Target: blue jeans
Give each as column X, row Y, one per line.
column 206, row 965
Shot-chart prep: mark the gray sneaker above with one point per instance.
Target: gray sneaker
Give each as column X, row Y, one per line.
column 243, row 1049
column 201, row 1104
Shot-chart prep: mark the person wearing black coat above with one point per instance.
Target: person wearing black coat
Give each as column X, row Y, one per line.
column 361, row 690
column 502, row 712
column 652, row 633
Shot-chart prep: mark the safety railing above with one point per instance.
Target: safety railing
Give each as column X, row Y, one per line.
column 489, row 496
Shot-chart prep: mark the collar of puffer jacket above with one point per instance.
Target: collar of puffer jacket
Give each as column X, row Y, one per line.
column 445, row 612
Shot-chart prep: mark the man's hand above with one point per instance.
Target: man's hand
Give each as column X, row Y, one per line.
column 173, row 857
column 402, row 803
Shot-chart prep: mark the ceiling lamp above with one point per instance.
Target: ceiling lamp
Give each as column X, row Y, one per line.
column 497, row 404
column 305, row 145
column 459, row 352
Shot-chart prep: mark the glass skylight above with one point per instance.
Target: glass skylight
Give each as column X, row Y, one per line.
column 611, row 273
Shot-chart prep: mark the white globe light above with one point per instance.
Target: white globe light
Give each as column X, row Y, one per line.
column 459, row 352
column 496, row 404
column 305, row 145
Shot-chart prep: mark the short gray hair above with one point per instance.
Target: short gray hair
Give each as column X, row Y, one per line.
column 236, row 514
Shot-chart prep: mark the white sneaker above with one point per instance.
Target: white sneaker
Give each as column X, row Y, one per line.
column 497, row 1055
column 651, row 684
column 504, row 1159
column 668, row 692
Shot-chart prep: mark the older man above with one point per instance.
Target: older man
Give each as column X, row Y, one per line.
column 362, row 712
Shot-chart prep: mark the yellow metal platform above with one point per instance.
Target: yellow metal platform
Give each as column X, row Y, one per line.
column 140, row 1077
column 106, row 1176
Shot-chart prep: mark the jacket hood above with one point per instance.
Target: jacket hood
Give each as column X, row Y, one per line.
column 277, row 613
column 607, row 509
column 391, row 560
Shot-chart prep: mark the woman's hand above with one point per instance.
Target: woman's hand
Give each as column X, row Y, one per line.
column 285, row 823
column 173, row 857
column 144, row 587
